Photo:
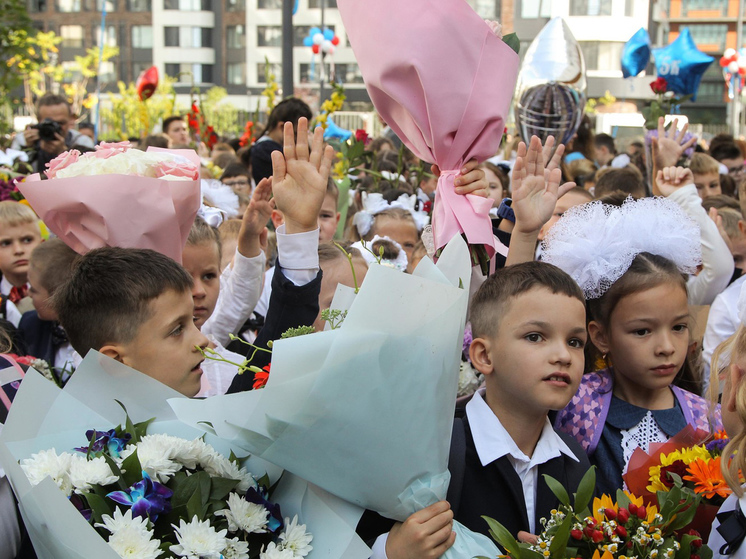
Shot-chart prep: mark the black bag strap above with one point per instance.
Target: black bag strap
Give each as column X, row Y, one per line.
column 457, row 463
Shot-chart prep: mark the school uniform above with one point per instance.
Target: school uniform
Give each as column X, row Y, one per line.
column 729, row 529
column 217, row 376
column 15, row 302
column 261, row 158
column 499, row 480
column 47, row 340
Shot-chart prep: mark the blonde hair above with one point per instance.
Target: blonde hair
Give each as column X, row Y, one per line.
column 230, row 229
column 730, row 219
column 734, row 455
column 391, row 213
column 204, row 233
column 703, row 164
column 14, row 213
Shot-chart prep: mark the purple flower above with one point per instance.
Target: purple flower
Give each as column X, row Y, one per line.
column 467, row 340
column 258, row 496
column 79, row 504
column 105, row 442
column 716, row 446
column 147, row 498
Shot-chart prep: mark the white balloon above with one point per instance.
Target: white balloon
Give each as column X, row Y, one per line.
column 318, row 38
column 729, row 52
column 733, row 67
column 331, row 50
column 326, row 45
column 741, row 61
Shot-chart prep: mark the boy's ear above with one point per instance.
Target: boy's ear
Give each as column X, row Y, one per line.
column 479, row 353
column 277, row 218
column 742, row 227
column 114, row 351
column 597, row 334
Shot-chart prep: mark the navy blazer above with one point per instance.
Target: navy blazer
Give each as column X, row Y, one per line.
column 37, row 335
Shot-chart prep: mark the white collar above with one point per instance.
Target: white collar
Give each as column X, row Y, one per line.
column 5, row 286
column 492, row 441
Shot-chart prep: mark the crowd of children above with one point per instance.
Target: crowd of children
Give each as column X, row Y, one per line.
column 584, row 336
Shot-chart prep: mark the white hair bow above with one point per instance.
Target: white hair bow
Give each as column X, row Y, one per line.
column 220, row 195
column 374, row 203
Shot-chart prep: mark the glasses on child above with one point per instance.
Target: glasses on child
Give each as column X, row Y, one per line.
column 236, row 182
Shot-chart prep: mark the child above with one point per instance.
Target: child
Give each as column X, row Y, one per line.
column 628, row 179
column 237, row 176
column 706, row 171
column 19, row 235
column 337, row 270
column 724, row 537
column 630, row 262
column 51, row 265
column 135, row 306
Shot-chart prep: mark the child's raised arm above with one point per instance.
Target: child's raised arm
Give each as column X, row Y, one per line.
column 536, row 189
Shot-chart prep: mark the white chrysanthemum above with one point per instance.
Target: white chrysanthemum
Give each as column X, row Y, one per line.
column 220, row 466
column 276, row 552
column 296, row 538
column 122, row 520
column 49, row 463
column 132, row 543
column 85, row 473
column 157, row 455
column 194, row 453
column 198, row 540
column 243, row 515
column 236, row 549
column 131, row 162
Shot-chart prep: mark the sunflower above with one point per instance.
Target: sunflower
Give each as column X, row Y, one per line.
column 685, row 455
column 707, row 478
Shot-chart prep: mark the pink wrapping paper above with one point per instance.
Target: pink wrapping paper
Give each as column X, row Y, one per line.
column 443, row 82
column 117, row 210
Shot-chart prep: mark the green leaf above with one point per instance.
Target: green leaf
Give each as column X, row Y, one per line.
column 559, row 541
column 585, row 490
column 503, row 537
column 220, row 487
column 133, row 469
column 263, row 482
column 512, row 40
column 98, row 506
column 194, row 506
column 559, row 491
column 622, row 499
column 121, row 482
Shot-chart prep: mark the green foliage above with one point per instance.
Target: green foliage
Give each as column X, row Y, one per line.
column 295, row 332
column 128, row 117
column 334, row 317
column 512, row 40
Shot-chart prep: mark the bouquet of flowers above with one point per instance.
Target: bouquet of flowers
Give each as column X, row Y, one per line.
column 117, row 196
column 691, row 459
column 611, row 530
column 150, row 487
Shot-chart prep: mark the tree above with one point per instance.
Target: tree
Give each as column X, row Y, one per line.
column 15, row 27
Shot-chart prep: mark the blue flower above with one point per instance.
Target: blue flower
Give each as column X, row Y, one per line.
column 258, row 496
column 716, row 446
column 147, row 498
column 105, row 442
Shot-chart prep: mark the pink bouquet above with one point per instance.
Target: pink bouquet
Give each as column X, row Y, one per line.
column 443, row 80
column 117, row 196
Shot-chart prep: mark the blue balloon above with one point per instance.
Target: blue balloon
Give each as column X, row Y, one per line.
column 308, row 42
column 334, row 131
column 682, row 64
column 313, row 31
column 636, row 53
column 328, row 34
column 295, row 7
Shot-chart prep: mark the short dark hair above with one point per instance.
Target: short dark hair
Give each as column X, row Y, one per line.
column 86, row 126
column 53, row 261
column 493, row 297
column 287, row 110
column 170, row 120
column 725, row 150
column 720, row 201
column 628, row 180
column 107, row 298
column 604, row 140
column 52, row 99
column 235, row 169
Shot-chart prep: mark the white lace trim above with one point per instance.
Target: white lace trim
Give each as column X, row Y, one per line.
column 641, row 436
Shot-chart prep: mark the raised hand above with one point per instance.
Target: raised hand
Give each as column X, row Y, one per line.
column 670, row 144
column 536, row 186
column 254, row 223
column 670, row 179
column 299, row 177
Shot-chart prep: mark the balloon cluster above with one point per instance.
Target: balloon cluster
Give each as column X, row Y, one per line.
column 321, row 41
column 733, row 63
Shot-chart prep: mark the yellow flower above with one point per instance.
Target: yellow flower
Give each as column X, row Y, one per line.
column 600, row 505
column 650, row 511
column 606, row 555
column 686, row 455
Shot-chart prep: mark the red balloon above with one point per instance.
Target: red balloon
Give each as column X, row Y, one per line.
column 724, row 61
column 315, row 49
column 742, row 71
column 147, row 83
column 335, row 40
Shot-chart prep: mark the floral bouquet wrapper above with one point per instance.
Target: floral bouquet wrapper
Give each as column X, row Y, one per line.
column 365, row 411
column 112, row 204
column 444, row 87
column 44, row 416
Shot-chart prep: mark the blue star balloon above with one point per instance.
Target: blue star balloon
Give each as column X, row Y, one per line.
column 334, row 131
column 636, row 53
column 682, row 64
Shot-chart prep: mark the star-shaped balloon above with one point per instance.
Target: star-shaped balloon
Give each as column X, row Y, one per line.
column 682, row 64
column 636, row 53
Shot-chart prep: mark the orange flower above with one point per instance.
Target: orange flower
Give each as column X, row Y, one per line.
column 720, row 434
column 260, row 379
column 707, row 478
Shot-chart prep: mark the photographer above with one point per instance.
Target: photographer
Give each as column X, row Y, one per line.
column 53, row 134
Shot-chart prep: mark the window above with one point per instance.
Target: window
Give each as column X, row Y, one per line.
column 629, row 8
column 235, row 5
column 108, row 73
column 98, row 5
column 300, row 32
column 269, row 4
column 348, row 73
column 110, row 35
column 236, row 37
column 138, row 68
column 317, row 3
column 71, row 72
column 269, row 36
column 487, row 9
column 142, row 37
column 237, row 74
column 172, row 70
column 590, row 7
column 532, row 9
column 69, row 5
column 190, row 73
column 275, row 69
column 709, row 34
column 603, row 56
column 170, row 36
column 72, row 36
column 188, row 5
column 36, row 6
column 704, row 5
column 139, row 6
column 711, row 92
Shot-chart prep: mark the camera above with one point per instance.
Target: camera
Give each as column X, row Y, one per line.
column 48, row 129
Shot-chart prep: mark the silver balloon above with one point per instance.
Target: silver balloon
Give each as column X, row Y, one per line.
column 550, row 92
